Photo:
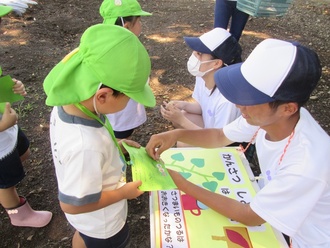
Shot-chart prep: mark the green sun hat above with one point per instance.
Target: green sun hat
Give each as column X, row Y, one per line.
column 107, row 54
column 4, row 10
column 110, row 10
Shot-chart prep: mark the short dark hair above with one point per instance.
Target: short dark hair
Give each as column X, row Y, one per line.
column 274, row 105
column 115, row 92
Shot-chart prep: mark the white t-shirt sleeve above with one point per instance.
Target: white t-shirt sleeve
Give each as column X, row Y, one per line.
column 239, row 130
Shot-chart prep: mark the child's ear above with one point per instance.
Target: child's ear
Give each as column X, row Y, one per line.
column 103, row 93
column 127, row 25
column 291, row 108
column 219, row 63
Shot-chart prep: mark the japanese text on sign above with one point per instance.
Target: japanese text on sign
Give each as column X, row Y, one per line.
column 232, row 168
column 173, row 230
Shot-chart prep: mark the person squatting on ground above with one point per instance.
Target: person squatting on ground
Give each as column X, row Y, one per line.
column 125, row 13
column 270, row 88
column 225, row 10
column 211, row 52
column 109, row 67
column 14, row 150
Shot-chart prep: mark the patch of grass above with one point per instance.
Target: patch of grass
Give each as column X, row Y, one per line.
column 23, row 109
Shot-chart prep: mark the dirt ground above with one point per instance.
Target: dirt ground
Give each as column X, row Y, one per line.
column 32, row 44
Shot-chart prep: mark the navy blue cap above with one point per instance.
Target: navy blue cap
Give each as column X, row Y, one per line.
column 275, row 70
column 219, row 43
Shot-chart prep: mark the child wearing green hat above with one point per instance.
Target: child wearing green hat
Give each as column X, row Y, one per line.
column 14, row 150
column 125, row 13
column 109, row 67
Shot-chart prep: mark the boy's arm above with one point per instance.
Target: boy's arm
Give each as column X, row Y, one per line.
column 128, row 191
column 206, row 137
column 224, row 205
column 9, row 118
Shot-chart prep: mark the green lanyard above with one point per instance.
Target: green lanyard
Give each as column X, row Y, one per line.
column 107, row 125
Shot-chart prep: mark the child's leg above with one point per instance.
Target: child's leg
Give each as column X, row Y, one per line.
column 11, row 173
column 194, row 118
column 77, row 241
column 9, row 198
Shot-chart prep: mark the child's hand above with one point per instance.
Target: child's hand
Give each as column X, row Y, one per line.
column 171, row 112
column 161, row 142
column 19, row 88
column 9, row 118
column 128, row 142
column 130, row 190
column 174, row 103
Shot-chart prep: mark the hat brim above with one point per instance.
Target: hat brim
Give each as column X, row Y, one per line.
column 4, row 10
column 196, row 44
column 145, row 97
column 142, row 13
column 233, row 86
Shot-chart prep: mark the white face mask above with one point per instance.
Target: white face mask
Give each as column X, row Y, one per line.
column 194, row 64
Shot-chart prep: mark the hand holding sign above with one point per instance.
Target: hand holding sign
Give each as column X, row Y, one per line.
column 153, row 174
